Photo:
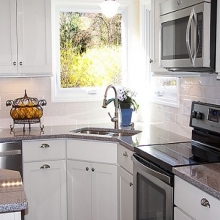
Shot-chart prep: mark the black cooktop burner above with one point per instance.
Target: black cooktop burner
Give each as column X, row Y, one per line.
column 168, row 156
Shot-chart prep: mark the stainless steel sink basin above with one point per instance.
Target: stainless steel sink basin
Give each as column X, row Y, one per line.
column 106, row 131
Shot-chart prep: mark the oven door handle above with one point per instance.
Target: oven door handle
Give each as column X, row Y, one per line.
column 161, row 176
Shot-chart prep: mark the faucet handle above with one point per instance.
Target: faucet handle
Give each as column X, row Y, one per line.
column 113, row 119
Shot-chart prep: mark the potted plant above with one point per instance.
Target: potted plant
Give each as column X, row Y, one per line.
column 126, row 104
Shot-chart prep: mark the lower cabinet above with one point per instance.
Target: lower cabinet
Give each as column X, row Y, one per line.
column 125, row 182
column 126, row 194
column 192, row 203
column 10, row 216
column 92, row 191
column 45, row 188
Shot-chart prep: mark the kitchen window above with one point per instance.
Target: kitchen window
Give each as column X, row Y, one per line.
column 83, row 87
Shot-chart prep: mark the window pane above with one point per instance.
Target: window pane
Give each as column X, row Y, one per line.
column 90, row 50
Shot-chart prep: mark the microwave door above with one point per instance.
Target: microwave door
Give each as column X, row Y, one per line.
column 191, row 37
column 182, row 37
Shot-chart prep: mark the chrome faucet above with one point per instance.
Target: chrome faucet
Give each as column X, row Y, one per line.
column 104, row 105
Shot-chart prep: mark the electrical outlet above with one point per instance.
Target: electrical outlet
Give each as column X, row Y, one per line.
column 187, row 106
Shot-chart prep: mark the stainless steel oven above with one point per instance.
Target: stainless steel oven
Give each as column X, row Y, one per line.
column 153, row 191
column 188, row 35
column 154, row 163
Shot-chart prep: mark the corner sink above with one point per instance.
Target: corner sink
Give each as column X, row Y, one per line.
column 106, row 131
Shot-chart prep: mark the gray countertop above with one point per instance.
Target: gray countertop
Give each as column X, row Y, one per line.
column 12, row 195
column 206, row 177
column 150, row 134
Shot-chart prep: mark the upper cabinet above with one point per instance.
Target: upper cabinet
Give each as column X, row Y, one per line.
column 155, row 37
column 25, row 39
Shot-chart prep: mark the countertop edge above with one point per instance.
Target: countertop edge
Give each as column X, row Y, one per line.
column 13, row 207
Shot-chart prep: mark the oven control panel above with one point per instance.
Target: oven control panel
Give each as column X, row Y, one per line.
column 205, row 116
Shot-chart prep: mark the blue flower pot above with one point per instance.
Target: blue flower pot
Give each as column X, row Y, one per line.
column 126, row 114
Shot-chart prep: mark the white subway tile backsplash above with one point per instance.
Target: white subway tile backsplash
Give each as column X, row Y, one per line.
column 204, row 89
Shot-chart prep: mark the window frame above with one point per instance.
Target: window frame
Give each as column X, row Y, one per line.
column 83, row 94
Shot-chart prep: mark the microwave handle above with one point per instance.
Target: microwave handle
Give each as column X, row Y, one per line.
column 192, row 51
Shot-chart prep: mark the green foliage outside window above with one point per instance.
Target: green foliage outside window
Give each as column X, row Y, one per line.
column 90, row 50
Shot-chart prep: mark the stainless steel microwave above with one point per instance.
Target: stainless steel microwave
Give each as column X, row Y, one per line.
column 188, row 35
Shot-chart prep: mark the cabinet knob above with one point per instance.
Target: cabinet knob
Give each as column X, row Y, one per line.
column 205, row 202
column 125, row 154
column 21, row 63
column 93, row 169
column 14, row 63
column 151, row 61
column 45, row 166
column 131, row 184
column 44, row 146
column 87, row 169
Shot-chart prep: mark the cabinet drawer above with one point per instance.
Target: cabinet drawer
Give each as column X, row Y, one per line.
column 124, row 158
column 39, row 150
column 188, row 198
column 96, row 151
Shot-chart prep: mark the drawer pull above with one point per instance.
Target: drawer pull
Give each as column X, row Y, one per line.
column 131, row 184
column 205, row 202
column 93, row 169
column 44, row 146
column 45, row 166
column 125, row 154
column 87, row 169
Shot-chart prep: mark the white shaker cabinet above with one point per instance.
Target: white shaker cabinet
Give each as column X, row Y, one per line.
column 193, row 203
column 25, row 38
column 10, row 216
column 126, row 194
column 92, row 191
column 125, row 179
column 155, row 37
column 92, row 180
column 44, row 177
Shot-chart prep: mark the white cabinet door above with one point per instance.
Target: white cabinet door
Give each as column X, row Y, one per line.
column 25, row 39
column 10, row 216
column 79, row 190
column 104, row 192
column 8, row 38
column 126, row 194
column 45, row 187
column 155, row 36
column 34, row 36
column 92, row 191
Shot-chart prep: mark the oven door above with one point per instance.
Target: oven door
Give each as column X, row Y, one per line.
column 153, row 191
column 185, row 37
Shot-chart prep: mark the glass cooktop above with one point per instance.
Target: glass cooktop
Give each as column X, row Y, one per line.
column 168, row 156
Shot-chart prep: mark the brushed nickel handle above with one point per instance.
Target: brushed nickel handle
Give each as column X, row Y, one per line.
column 131, row 184
column 44, row 146
column 45, row 166
column 87, row 169
column 125, row 154
column 21, row 63
column 93, row 169
column 205, row 202
column 14, row 63
column 151, row 61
